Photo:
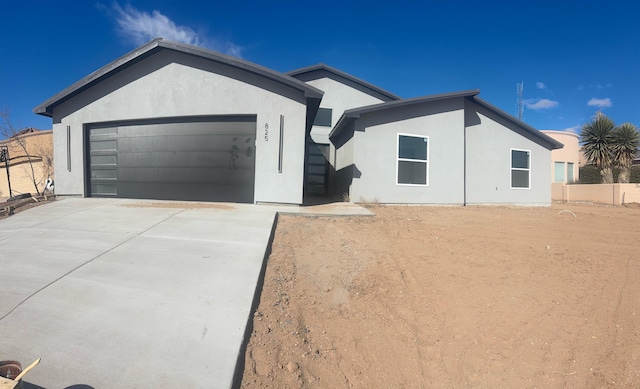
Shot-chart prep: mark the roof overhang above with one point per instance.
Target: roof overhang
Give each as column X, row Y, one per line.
column 144, row 51
column 352, row 114
column 326, row 68
column 542, row 138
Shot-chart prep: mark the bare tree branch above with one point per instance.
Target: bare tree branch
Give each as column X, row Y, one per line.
column 13, row 135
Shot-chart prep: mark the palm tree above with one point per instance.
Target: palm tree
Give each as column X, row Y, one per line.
column 597, row 139
column 625, row 146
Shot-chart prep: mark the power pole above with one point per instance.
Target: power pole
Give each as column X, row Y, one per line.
column 520, row 101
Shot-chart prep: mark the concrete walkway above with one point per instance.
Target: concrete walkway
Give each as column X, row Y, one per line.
column 118, row 293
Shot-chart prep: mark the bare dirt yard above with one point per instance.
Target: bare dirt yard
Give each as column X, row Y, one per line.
column 439, row 297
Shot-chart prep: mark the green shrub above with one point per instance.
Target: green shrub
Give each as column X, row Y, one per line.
column 589, row 174
column 635, row 174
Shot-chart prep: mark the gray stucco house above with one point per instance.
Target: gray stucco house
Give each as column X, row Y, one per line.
column 173, row 121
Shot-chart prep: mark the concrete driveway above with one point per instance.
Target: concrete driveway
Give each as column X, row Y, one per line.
column 130, row 293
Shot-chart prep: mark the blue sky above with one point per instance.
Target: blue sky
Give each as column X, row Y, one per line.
column 574, row 58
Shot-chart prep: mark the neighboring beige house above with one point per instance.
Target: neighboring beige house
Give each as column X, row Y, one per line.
column 565, row 162
column 39, row 146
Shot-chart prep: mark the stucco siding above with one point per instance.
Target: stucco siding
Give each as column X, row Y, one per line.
column 172, row 84
column 570, row 153
column 376, row 152
column 339, row 97
column 342, row 158
column 490, row 140
column 39, row 146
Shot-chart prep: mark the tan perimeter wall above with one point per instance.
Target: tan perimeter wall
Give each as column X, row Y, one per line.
column 40, row 147
column 615, row 194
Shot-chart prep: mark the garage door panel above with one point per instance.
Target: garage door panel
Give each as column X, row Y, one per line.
column 210, row 161
column 233, row 126
column 184, row 175
column 104, row 173
column 170, row 143
column 164, row 191
column 103, row 159
column 187, row 142
column 104, row 190
column 220, row 160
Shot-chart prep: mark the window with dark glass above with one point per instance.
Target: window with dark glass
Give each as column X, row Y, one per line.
column 323, row 117
column 520, row 169
column 412, row 160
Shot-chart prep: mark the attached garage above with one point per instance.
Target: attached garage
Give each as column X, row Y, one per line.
column 202, row 159
column 171, row 121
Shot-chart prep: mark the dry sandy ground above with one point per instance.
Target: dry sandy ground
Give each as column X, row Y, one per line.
column 436, row 297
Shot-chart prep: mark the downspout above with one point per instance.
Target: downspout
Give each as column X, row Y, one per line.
column 464, row 180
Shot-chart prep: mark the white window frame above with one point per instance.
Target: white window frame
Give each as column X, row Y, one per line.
column 398, row 159
column 520, row 169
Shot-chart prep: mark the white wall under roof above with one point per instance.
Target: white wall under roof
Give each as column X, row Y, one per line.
column 488, row 163
column 376, row 154
column 339, row 97
column 171, row 84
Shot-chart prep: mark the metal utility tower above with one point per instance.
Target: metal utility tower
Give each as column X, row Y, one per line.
column 519, row 101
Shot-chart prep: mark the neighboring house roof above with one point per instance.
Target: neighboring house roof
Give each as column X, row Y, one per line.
column 561, row 132
column 157, row 44
column 28, row 130
column 320, row 68
column 471, row 95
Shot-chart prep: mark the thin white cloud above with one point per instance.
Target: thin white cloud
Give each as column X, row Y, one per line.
column 575, row 129
column 596, row 86
column 540, row 104
column 600, row 103
column 540, row 85
column 139, row 27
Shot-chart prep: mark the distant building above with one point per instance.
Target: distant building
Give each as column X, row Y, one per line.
column 566, row 162
column 39, row 147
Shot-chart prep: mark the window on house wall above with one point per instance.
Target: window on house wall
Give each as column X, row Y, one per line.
column 520, row 169
column 558, row 172
column 323, row 117
column 570, row 172
column 413, row 161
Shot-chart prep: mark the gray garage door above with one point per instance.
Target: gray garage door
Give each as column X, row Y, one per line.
column 210, row 159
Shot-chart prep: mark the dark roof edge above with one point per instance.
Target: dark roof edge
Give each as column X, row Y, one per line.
column 352, row 114
column 132, row 56
column 322, row 66
column 535, row 132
